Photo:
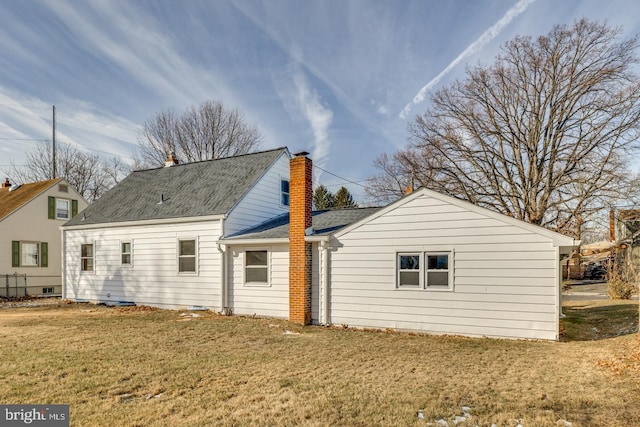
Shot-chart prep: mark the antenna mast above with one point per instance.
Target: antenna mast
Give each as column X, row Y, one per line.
column 53, row 148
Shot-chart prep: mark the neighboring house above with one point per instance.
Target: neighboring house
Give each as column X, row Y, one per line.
column 222, row 236
column 30, row 219
column 626, row 227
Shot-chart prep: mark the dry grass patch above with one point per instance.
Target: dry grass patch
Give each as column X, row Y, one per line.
column 136, row 367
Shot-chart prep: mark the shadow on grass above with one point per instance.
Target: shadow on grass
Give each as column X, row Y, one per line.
column 597, row 320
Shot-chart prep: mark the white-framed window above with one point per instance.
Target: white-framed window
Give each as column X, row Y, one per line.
column 47, row 291
column 284, row 192
column 438, row 275
column 256, row 267
column 87, row 257
column 29, row 254
column 187, row 255
column 424, row 270
column 409, row 271
column 63, row 209
column 126, row 253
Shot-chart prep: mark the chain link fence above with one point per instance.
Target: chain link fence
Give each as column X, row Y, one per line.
column 14, row 285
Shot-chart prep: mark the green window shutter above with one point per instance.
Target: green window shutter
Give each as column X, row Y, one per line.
column 52, row 207
column 15, row 253
column 74, row 208
column 44, row 254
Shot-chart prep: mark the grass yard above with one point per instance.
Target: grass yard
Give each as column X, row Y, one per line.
column 143, row 367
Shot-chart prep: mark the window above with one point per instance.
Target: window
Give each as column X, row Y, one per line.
column 29, row 254
column 256, row 267
column 409, row 270
column 125, row 253
column 187, row 256
column 425, row 270
column 47, row 291
column 86, row 257
column 62, row 209
column 284, row 192
column 437, row 270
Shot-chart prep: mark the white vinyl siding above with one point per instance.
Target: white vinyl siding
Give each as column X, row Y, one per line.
column 270, row 301
column 153, row 279
column 263, row 201
column 503, row 276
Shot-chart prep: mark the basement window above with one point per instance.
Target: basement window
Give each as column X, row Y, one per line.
column 256, row 268
column 47, row 291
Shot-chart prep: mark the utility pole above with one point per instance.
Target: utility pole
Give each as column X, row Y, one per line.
column 53, row 139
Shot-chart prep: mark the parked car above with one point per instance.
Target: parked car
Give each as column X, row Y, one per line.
column 595, row 271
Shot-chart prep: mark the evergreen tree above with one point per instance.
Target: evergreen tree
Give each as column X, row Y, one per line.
column 343, row 199
column 322, row 198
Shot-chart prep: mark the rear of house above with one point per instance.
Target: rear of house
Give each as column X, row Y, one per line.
column 153, row 239
column 436, row 264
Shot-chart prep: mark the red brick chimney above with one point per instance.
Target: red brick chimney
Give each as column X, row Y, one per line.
column 612, row 225
column 300, row 190
column 6, row 183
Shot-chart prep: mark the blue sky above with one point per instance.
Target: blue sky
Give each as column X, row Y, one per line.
column 340, row 79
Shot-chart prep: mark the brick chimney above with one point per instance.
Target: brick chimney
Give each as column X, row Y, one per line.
column 612, row 225
column 171, row 160
column 6, row 183
column 300, row 190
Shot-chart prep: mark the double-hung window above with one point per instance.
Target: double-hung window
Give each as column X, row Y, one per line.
column 256, row 267
column 63, row 209
column 125, row 253
column 29, row 254
column 86, row 257
column 187, row 256
column 424, row 270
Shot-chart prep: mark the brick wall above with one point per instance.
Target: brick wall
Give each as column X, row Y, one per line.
column 300, row 202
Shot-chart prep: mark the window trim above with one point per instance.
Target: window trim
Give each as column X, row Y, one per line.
column 61, row 199
column 282, row 193
column 38, row 254
column 195, row 256
column 92, row 257
column 399, row 270
column 423, row 271
column 267, row 266
column 130, row 253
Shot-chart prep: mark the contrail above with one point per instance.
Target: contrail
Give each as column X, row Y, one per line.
column 474, row 47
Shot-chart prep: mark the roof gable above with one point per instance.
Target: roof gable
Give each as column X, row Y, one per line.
column 204, row 188
column 11, row 201
column 557, row 238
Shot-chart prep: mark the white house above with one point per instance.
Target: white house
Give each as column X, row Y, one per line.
column 239, row 235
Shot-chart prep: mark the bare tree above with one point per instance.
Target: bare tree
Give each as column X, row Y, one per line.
column 206, row 132
column 88, row 173
column 545, row 134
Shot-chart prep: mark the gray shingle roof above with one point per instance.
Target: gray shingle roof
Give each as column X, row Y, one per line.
column 324, row 222
column 192, row 189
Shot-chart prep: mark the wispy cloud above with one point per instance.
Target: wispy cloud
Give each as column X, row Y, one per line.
column 474, row 47
column 318, row 116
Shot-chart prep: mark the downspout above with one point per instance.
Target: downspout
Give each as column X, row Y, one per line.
column 324, row 246
column 63, row 262
column 223, row 278
column 223, row 271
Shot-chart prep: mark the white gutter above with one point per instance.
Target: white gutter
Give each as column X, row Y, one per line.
column 253, row 241
column 161, row 221
column 324, row 246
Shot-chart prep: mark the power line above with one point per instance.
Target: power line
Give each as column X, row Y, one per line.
column 25, row 139
column 340, row 177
